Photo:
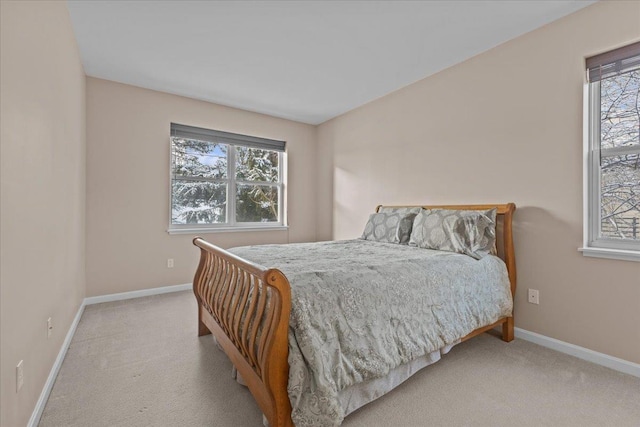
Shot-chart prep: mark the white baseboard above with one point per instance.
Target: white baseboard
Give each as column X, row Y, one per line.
column 602, row 359
column 44, row 396
column 137, row 294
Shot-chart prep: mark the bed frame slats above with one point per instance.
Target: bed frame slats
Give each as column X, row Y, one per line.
column 247, row 308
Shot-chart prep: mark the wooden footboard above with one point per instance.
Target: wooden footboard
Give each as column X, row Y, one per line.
column 247, row 308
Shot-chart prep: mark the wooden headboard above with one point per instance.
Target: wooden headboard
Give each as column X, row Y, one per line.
column 504, row 231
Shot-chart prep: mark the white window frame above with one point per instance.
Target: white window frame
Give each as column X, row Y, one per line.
column 232, row 225
column 593, row 244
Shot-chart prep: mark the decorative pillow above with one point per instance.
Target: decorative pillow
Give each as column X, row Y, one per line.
column 467, row 232
column 401, row 210
column 389, row 227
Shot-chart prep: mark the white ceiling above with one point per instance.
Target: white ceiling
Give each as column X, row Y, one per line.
column 307, row 61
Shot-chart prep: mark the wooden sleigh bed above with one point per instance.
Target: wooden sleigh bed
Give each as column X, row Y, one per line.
column 247, row 306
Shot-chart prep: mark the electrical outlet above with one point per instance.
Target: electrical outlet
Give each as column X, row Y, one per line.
column 534, row 296
column 170, row 263
column 19, row 376
column 49, row 327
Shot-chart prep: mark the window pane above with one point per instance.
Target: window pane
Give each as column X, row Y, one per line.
column 620, row 197
column 253, row 164
column 198, row 158
column 198, row 202
column 257, row 203
column 620, row 110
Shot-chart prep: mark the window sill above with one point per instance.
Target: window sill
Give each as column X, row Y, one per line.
column 620, row 254
column 204, row 230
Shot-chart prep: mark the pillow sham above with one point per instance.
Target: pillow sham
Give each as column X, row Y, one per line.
column 463, row 231
column 389, row 227
column 401, row 210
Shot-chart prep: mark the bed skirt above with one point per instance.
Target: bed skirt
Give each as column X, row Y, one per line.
column 358, row 395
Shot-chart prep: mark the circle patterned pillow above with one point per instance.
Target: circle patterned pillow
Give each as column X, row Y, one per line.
column 463, row 231
column 389, row 227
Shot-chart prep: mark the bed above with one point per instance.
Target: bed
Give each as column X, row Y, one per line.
column 284, row 346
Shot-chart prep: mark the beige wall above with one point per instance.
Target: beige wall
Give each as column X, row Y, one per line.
column 495, row 128
column 43, row 195
column 503, row 126
column 128, row 184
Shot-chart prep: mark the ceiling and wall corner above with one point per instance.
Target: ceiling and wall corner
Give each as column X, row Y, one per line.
column 306, row 61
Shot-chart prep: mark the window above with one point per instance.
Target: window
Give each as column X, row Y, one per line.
column 221, row 180
column 613, row 170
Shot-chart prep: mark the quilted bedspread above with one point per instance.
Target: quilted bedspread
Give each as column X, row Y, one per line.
column 361, row 308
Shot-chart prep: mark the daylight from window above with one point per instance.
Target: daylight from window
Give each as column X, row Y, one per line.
column 620, row 156
column 220, row 184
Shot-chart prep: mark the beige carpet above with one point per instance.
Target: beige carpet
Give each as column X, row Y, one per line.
column 139, row 363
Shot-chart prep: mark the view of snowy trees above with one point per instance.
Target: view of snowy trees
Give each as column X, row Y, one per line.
column 256, row 203
column 620, row 156
column 201, row 181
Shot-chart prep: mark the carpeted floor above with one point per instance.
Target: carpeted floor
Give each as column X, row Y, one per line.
column 140, row 363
